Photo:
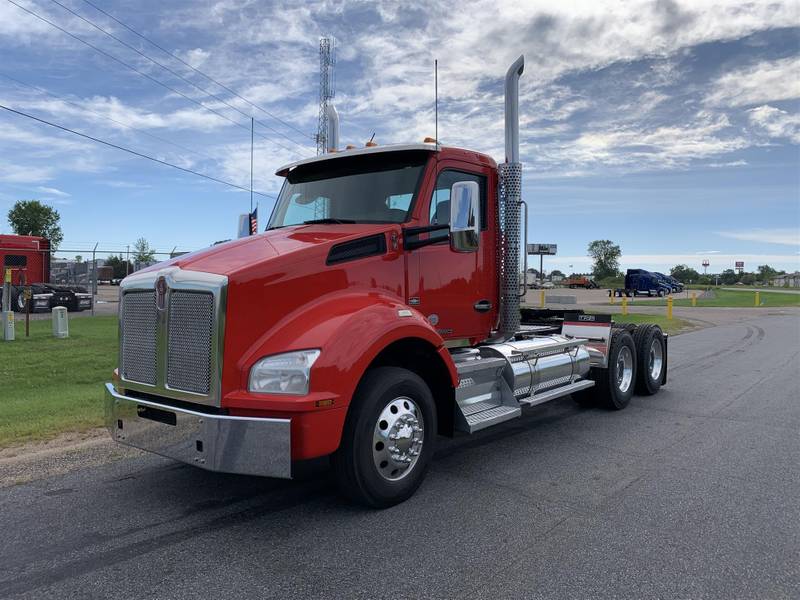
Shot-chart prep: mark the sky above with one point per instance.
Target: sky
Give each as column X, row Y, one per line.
column 671, row 128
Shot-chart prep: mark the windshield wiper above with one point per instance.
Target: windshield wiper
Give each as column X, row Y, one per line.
column 329, row 221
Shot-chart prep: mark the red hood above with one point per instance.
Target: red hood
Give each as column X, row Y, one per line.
column 293, row 243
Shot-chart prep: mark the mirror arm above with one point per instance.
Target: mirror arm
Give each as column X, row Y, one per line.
column 410, row 232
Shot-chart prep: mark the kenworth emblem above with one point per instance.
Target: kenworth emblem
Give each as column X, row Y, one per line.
column 161, row 293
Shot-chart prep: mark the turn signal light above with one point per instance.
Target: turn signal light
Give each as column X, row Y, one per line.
column 371, row 144
column 429, row 140
column 349, row 147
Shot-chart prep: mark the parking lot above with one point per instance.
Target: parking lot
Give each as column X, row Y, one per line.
column 691, row 493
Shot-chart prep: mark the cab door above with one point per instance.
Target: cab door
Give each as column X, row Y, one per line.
column 456, row 291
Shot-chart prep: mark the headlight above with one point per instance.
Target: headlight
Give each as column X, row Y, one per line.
column 283, row 373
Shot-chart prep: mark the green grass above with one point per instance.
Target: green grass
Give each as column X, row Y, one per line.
column 668, row 326
column 50, row 386
column 738, row 298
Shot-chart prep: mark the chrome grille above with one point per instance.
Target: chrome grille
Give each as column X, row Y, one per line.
column 191, row 321
column 139, row 324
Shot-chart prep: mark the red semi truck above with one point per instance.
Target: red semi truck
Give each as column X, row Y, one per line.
column 380, row 308
column 28, row 259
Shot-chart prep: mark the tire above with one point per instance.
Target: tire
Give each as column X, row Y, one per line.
column 20, row 304
column 388, row 401
column 649, row 341
column 610, row 390
column 660, row 293
column 17, row 297
column 629, row 327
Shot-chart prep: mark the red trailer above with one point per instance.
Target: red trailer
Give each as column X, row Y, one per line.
column 28, row 259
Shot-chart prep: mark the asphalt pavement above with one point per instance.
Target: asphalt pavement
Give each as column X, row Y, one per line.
column 693, row 493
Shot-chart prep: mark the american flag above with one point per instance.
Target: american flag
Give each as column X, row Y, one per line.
column 254, row 221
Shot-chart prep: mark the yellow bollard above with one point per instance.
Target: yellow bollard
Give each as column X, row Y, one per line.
column 541, row 299
column 758, row 298
column 694, row 299
column 669, row 308
column 611, row 297
column 624, row 305
column 8, row 276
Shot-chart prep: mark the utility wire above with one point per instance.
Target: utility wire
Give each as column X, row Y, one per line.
column 129, row 151
column 172, row 72
column 198, row 71
column 143, row 74
column 121, row 124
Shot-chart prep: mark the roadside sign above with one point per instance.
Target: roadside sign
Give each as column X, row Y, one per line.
column 740, row 265
column 549, row 249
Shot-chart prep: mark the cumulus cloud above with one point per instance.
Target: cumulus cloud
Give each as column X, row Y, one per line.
column 50, row 191
column 784, row 236
column 776, row 123
column 766, row 81
column 663, row 262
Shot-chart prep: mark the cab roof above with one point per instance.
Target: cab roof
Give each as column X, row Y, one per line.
column 444, row 152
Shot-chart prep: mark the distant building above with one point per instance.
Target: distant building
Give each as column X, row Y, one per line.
column 790, row 280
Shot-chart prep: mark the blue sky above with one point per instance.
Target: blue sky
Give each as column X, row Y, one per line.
column 671, row 128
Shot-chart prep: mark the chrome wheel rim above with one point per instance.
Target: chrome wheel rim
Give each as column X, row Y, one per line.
column 397, row 438
column 624, row 369
column 21, row 302
column 656, row 359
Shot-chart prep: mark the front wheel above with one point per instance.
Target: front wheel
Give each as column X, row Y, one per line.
column 388, row 438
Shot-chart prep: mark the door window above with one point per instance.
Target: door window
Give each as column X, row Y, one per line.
column 440, row 199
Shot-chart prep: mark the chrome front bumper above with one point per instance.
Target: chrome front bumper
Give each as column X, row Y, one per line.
column 244, row 445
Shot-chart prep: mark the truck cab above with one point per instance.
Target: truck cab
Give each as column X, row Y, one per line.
column 379, row 309
column 25, row 260
column 640, row 281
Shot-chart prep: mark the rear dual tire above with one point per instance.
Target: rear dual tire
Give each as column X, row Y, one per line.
column 650, row 358
column 613, row 387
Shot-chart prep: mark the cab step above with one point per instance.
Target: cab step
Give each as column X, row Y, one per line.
column 481, row 415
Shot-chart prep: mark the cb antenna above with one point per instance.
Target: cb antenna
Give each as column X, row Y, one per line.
column 436, row 101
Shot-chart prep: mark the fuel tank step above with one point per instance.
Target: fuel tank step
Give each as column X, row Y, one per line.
column 564, row 390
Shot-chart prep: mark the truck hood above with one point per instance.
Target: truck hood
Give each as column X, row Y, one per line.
column 297, row 242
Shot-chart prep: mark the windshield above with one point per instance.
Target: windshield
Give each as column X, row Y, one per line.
column 372, row 188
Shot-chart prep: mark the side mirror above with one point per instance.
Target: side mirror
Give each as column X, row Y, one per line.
column 465, row 226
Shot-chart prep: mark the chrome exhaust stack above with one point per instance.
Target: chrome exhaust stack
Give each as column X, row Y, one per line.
column 509, row 205
column 332, row 141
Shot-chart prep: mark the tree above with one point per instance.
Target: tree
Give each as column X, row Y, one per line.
column 78, row 258
column 118, row 264
column 31, row 217
column 556, row 273
column 766, row 273
column 605, row 258
column 684, row 273
column 142, row 252
column 728, row 277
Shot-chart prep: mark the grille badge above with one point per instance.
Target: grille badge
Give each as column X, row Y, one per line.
column 161, row 293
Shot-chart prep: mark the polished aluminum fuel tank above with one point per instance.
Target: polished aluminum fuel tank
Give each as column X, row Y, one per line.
column 541, row 363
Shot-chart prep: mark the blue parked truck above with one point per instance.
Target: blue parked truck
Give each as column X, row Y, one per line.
column 674, row 285
column 641, row 282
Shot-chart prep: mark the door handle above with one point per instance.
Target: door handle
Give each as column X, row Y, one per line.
column 482, row 306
